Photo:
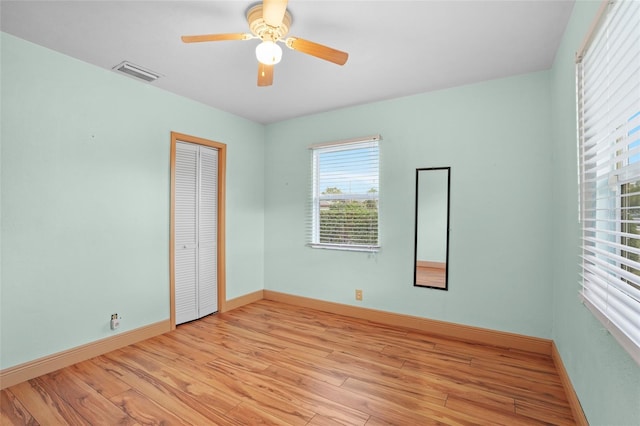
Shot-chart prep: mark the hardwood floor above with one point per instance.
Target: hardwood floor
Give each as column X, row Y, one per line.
column 276, row 364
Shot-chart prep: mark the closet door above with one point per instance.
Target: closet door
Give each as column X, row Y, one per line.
column 196, row 197
column 186, row 228
column 207, row 233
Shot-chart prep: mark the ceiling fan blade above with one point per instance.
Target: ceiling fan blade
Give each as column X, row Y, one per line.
column 318, row 50
column 273, row 11
column 265, row 74
column 215, row 37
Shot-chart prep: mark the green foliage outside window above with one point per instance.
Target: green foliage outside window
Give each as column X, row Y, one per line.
column 630, row 213
column 350, row 222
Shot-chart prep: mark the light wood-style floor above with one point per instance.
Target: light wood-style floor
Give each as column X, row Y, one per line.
column 271, row 363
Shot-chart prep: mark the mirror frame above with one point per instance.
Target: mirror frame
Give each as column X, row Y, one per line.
column 417, row 203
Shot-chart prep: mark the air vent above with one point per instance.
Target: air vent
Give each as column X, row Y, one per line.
column 137, row 71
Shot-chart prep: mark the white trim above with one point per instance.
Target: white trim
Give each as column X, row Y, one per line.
column 346, row 141
column 631, row 348
column 595, row 25
column 368, row 249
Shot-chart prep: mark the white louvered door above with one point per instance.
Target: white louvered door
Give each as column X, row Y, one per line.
column 207, row 232
column 186, row 226
column 196, row 198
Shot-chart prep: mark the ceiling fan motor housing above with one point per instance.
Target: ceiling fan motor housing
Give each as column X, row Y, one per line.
column 261, row 29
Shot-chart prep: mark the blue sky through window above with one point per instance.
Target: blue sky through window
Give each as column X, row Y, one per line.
column 352, row 171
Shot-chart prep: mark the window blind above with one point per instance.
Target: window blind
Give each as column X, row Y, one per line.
column 343, row 211
column 608, row 86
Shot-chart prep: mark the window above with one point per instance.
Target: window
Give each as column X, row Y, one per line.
column 608, row 75
column 344, row 195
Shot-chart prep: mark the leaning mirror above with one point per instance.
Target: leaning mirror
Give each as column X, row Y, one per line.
column 431, row 264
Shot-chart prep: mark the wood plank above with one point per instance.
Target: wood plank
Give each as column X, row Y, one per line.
column 12, row 412
column 84, row 399
column 310, row 365
column 266, row 397
column 304, row 398
column 534, row 371
column 99, row 379
column 322, row 342
column 248, row 414
column 319, row 420
column 308, row 400
column 44, row 405
column 510, row 386
column 150, row 387
column 557, row 415
column 369, row 402
column 145, row 410
column 489, row 415
column 428, row 355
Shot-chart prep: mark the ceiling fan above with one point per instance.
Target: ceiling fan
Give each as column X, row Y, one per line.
column 270, row 22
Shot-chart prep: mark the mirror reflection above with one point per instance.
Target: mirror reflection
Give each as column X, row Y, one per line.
column 432, row 227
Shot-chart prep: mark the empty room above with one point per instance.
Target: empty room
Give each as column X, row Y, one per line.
column 317, row 212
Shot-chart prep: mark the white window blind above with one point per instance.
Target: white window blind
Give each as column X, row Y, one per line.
column 344, row 195
column 608, row 76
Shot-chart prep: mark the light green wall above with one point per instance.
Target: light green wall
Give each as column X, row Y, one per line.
column 606, row 379
column 496, row 138
column 85, row 200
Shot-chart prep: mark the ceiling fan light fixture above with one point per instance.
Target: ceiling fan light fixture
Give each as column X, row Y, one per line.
column 268, row 52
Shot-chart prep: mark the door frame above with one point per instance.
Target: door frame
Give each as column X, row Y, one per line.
column 221, row 268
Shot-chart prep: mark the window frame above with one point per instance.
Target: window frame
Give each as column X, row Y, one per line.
column 316, row 195
column 608, row 118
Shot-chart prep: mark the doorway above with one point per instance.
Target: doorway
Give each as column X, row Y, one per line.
column 197, row 236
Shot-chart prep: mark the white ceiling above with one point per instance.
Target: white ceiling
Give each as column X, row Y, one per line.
column 396, row 48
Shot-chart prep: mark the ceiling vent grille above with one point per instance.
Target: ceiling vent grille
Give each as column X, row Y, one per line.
column 137, row 71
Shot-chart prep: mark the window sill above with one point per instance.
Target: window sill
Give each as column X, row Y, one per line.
column 367, row 249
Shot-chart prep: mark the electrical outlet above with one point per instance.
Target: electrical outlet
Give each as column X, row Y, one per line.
column 115, row 321
column 358, row 294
